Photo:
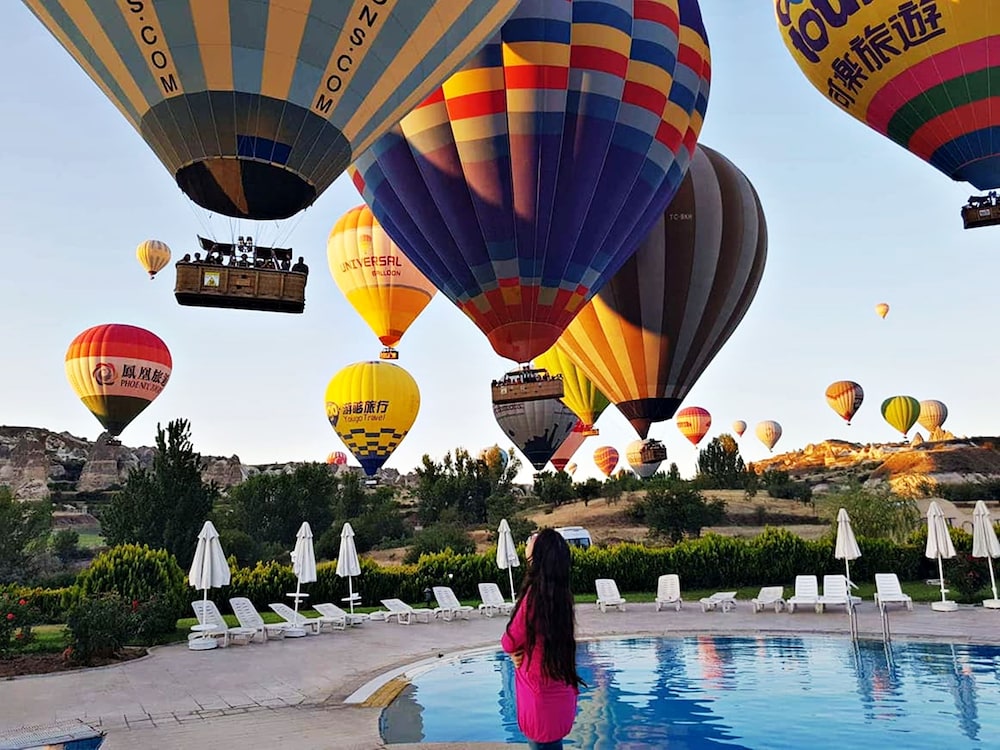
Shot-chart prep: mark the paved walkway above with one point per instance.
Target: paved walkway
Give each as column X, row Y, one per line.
column 294, row 690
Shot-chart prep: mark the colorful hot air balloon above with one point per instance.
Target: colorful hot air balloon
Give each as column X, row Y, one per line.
column 932, row 415
column 739, row 427
column 920, row 73
column 882, row 309
column 117, row 371
column 382, row 284
column 579, row 392
column 768, row 432
column 845, row 397
column 646, row 338
column 255, row 107
column 901, row 412
column 495, row 454
column 694, row 423
column 537, row 427
column 529, row 177
column 337, row 458
column 571, row 468
column 606, row 459
column 372, row 406
column 153, row 255
column 645, row 456
column 569, row 446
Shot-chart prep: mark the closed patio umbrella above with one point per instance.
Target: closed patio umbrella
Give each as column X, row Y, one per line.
column 847, row 545
column 939, row 545
column 304, row 566
column 209, row 570
column 348, row 564
column 507, row 558
column 985, row 544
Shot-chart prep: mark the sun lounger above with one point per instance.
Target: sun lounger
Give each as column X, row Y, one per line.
column 493, row 601
column 312, row 625
column 250, row 618
column 339, row 617
column 769, row 596
column 724, row 600
column 404, row 613
column 888, row 591
column 448, row 605
column 208, row 614
column 668, row 591
column 835, row 591
column 607, row 594
column 806, row 593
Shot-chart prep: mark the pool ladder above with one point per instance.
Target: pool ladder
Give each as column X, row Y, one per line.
column 852, row 616
column 886, row 633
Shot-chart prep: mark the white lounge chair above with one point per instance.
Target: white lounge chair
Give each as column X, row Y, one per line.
column 725, row 600
column 493, row 601
column 208, row 614
column 607, row 594
column 668, row 591
column 835, row 591
column 806, row 592
column 311, row 625
column 339, row 617
column 250, row 618
column 888, row 591
column 769, row 596
column 448, row 605
column 404, row 613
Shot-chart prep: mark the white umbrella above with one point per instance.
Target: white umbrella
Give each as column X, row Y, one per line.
column 985, row 544
column 507, row 553
column 939, row 545
column 209, row 570
column 348, row 564
column 847, row 546
column 303, row 562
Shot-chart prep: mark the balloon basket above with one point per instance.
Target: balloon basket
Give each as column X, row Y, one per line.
column 991, row 603
column 388, row 353
column 945, row 606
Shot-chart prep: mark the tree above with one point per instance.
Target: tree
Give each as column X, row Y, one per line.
column 674, row 473
column 589, row 490
column 65, row 545
column 24, row 533
column 875, row 513
column 166, row 506
column 460, row 487
column 675, row 511
column 720, row 466
column 554, row 489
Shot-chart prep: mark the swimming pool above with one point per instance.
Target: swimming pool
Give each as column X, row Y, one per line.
column 757, row 693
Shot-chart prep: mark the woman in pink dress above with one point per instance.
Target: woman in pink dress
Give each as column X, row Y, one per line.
column 541, row 640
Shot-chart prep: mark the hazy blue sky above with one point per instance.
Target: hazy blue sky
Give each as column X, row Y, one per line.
column 853, row 220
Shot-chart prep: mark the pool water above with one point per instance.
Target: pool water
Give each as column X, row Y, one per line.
column 758, row 693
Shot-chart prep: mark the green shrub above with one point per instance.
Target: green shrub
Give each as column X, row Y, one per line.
column 49, row 604
column 17, row 615
column 99, row 627
column 966, row 575
column 438, row 538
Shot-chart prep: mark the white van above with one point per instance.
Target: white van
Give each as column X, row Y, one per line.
column 575, row 536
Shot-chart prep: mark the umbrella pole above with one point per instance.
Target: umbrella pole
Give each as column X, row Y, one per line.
column 993, row 580
column 350, row 592
column 847, row 567
column 510, row 576
column 298, row 589
column 204, row 609
column 944, row 596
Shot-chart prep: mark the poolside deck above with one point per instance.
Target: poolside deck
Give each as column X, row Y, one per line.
column 294, row 690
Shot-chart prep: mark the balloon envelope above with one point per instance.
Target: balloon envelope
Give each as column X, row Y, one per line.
column 649, row 334
column 255, row 107
column 932, row 415
column 768, row 432
column 694, row 423
column 845, row 398
column 645, row 456
column 901, row 412
column 739, row 427
column 337, row 458
column 882, row 309
column 579, row 392
column 569, row 446
column 606, row 459
column 117, row 371
column 537, row 427
column 524, row 182
column 153, row 255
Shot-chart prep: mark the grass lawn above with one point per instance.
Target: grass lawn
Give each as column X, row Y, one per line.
column 91, row 539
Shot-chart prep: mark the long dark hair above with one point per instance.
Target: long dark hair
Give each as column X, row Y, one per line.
column 545, row 591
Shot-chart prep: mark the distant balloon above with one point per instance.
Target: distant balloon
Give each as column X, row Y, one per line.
column 570, row 446
column 153, row 256
column 606, row 459
column 694, row 423
column 117, row 371
column 372, row 406
column 645, row 456
column 768, row 432
column 337, row 458
column 845, row 398
column 901, row 412
column 932, row 415
column 882, row 309
column 495, row 453
column 579, row 392
column 739, row 427
column 537, row 427
column 571, row 468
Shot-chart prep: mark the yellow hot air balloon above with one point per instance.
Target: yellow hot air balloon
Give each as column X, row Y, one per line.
column 932, row 415
column 153, row 255
column 845, row 397
column 579, row 392
column 606, row 459
column 739, row 427
column 372, row 406
column 694, row 423
column 768, row 432
column 882, row 309
column 382, row 284
column 901, row 412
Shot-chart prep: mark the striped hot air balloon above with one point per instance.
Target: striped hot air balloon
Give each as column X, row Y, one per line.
column 529, row 177
column 117, row 371
column 768, row 432
column 845, row 398
column 569, row 446
column 337, row 458
column 255, row 108
column 932, row 415
column 579, row 392
column 694, row 423
column 901, row 412
column 153, row 256
column 606, row 459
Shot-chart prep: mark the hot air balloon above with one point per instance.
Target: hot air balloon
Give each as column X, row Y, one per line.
column 694, row 423
column 117, row 371
column 570, row 445
column 537, row 427
column 571, row 468
column 645, row 456
column 256, row 108
column 495, row 453
column 901, row 412
column 382, row 284
column 882, row 309
column 918, row 73
column 372, row 406
column 845, row 397
column 739, row 427
column 579, row 392
column 524, row 182
column 606, row 459
column 337, row 458
column 932, row 415
column 768, row 432
column 153, row 255
column 646, row 338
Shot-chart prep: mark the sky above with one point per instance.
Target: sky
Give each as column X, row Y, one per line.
column 853, row 220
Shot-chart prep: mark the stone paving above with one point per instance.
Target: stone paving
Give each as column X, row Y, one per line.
column 294, row 690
